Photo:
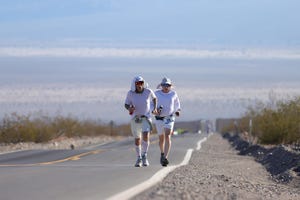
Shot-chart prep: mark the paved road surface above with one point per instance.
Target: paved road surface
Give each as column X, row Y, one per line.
column 96, row 172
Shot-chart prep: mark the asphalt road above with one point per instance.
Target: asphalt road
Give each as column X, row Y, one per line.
column 95, row 172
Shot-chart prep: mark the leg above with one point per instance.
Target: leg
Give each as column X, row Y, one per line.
column 145, row 143
column 138, row 152
column 146, row 129
column 137, row 135
column 145, row 146
column 167, row 136
column 160, row 131
column 161, row 136
column 168, row 129
column 138, row 147
column 136, row 132
column 137, row 141
column 162, row 143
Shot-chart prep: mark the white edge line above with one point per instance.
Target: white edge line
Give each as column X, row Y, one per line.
column 157, row 177
column 200, row 142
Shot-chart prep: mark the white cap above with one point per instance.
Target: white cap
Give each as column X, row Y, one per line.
column 138, row 78
column 166, row 81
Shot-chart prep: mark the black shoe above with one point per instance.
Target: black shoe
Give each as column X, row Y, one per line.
column 162, row 158
column 164, row 161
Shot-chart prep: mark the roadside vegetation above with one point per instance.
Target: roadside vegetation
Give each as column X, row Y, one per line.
column 39, row 128
column 272, row 123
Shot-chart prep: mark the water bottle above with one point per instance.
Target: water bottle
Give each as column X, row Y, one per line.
column 131, row 111
column 160, row 109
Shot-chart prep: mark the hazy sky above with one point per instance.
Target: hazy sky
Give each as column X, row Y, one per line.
column 53, row 50
column 203, row 22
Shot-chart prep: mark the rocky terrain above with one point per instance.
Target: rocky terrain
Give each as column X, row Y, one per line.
column 226, row 169
column 282, row 162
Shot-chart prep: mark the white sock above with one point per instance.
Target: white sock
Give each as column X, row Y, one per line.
column 138, row 150
column 145, row 146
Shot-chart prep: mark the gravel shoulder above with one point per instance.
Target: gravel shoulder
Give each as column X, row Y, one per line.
column 59, row 143
column 217, row 171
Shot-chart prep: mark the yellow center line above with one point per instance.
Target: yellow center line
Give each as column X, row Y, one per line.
column 72, row 158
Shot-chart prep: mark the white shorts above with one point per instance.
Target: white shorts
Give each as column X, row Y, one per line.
column 139, row 126
column 166, row 123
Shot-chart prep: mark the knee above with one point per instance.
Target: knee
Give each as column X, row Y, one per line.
column 137, row 141
column 146, row 137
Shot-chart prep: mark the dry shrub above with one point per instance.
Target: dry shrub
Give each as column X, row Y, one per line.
column 279, row 124
column 39, row 127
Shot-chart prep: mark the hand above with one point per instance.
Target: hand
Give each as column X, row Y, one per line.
column 155, row 112
column 177, row 113
column 131, row 109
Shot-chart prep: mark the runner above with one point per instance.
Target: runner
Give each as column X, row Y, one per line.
column 169, row 106
column 138, row 101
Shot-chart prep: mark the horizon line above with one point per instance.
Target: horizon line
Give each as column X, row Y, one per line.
column 139, row 52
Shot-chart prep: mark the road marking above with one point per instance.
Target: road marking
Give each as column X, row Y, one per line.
column 157, row 177
column 200, row 142
column 73, row 158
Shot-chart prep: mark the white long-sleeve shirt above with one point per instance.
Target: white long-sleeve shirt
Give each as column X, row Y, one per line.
column 140, row 101
column 169, row 101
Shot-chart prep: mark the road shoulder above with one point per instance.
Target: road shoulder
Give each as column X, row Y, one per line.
column 216, row 171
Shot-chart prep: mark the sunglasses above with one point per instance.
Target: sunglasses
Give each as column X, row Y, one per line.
column 139, row 83
column 166, row 85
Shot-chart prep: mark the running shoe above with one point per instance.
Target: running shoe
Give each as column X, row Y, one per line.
column 164, row 161
column 162, row 158
column 138, row 162
column 145, row 161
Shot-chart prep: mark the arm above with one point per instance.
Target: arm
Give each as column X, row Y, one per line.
column 177, row 113
column 128, row 103
column 130, row 108
column 177, row 106
column 154, row 111
column 127, row 106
